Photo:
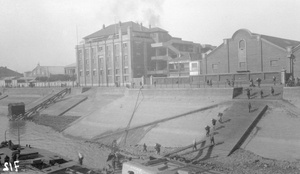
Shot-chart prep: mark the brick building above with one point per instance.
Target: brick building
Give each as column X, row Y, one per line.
column 123, row 52
column 247, row 52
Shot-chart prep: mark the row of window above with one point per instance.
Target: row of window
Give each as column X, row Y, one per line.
column 108, row 61
column 109, row 72
column 117, row 78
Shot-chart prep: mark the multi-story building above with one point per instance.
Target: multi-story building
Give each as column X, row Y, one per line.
column 120, row 53
column 113, row 55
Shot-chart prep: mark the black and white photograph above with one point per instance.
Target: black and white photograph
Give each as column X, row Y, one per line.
column 150, row 86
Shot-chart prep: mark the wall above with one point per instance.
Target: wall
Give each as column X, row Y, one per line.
column 218, row 57
column 297, row 64
column 271, row 52
column 198, row 93
column 291, row 93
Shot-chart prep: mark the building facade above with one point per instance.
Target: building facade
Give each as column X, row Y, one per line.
column 113, row 55
column 247, row 52
column 120, row 53
column 70, row 70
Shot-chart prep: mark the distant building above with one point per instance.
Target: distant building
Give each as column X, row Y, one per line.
column 45, row 71
column 71, row 69
column 5, row 72
column 7, row 76
column 120, row 53
column 247, row 52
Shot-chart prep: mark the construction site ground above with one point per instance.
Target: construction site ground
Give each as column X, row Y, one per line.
column 175, row 121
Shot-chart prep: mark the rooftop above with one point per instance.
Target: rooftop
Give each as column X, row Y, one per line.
column 112, row 29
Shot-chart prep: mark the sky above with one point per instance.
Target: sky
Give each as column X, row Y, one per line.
column 47, row 31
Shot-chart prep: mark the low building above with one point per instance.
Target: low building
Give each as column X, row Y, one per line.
column 71, row 70
column 250, row 53
column 45, row 71
column 6, row 72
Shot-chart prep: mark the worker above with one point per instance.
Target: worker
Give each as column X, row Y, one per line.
column 258, row 82
column 261, row 94
column 249, row 107
column 80, row 158
column 157, row 148
column 212, row 139
column 272, row 90
column 144, row 147
column 207, row 128
column 194, row 145
column 248, row 93
column 232, row 83
column 213, row 121
column 220, row 115
column 274, row 80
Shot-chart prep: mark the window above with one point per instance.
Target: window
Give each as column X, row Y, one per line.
column 124, row 45
column 274, row 63
column 109, row 72
column 87, row 73
column 126, row 71
column 93, row 53
column 126, row 78
column 117, row 78
column 125, row 60
column 117, row 71
column 242, row 45
column 80, row 73
column 94, row 72
column 101, row 72
column 194, row 66
column 242, row 64
column 100, row 48
column 214, row 66
column 86, row 53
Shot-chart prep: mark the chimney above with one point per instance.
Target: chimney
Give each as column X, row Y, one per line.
column 103, row 27
column 141, row 26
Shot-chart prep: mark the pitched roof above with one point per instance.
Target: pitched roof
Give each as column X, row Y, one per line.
column 71, row 65
column 283, row 43
column 111, row 29
column 5, row 72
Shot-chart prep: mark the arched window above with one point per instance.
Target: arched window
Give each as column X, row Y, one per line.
column 242, row 45
column 242, row 55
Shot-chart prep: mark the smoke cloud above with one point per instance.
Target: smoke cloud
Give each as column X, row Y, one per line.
column 142, row 11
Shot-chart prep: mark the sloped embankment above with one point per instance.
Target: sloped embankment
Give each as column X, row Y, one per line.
column 137, row 108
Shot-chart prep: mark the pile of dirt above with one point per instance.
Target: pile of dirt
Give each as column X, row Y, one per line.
column 241, row 161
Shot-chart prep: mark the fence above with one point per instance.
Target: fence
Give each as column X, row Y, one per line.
column 218, row 80
column 14, row 84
